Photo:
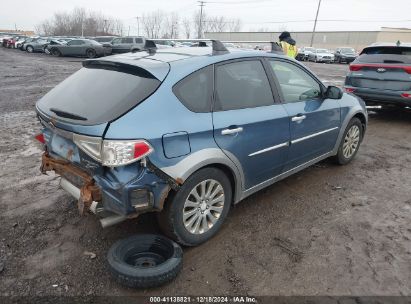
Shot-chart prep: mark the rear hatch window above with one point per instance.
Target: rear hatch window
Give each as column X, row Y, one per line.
column 99, row 92
column 386, row 54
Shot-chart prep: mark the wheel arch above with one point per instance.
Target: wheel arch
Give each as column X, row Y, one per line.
column 212, row 157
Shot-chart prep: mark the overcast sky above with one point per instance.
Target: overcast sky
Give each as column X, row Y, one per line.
column 270, row 14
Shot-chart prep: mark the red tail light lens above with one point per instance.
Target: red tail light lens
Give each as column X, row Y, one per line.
column 355, row 67
column 406, row 95
column 141, row 149
column 349, row 90
column 40, row 138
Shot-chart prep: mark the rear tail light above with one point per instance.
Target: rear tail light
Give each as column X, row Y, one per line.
column 357, row 67
column 40, row 138
column 349, row 90
column 118, row 153
column 113, row 153
column 406, row 95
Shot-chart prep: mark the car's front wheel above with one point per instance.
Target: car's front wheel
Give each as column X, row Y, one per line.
column 196, row 212
column 350, row 142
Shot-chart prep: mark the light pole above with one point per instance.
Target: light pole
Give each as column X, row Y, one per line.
column 138, row 25
column 315, row 23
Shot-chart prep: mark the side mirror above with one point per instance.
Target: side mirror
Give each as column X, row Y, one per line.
column 333, row 92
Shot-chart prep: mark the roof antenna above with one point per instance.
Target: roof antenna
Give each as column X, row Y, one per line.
column 219, row 48
column 276, row 48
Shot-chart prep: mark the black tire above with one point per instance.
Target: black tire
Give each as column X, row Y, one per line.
column 29, row 49
column 135, row 50
column 55, row 52
column 91, row 53
column 171, row 218
column 340, row 158
column 145, row 261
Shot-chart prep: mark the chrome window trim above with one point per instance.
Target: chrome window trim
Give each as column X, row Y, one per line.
column 312, row 135
column 285, row 144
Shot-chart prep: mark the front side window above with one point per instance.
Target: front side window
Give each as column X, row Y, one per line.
column 295, row 84
column 195, row 90
column 73, row 42
column 240, row 85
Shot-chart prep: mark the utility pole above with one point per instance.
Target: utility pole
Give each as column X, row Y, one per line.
column 200, row 26
column 138, row 25
column 105, row 26
column 315, row 23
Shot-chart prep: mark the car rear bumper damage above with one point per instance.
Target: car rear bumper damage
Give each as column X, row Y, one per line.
column 111, row 201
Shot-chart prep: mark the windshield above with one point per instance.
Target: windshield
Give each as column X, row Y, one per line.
column 347, row 51
column 321, row 51
column 99, row 93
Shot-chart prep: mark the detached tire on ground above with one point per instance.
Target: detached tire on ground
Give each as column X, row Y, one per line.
column 145, row 261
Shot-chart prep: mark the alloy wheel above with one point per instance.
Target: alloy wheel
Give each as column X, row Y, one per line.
column 203, row 206
column 351, row 141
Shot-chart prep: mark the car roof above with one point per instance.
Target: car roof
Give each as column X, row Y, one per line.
column 382, row 44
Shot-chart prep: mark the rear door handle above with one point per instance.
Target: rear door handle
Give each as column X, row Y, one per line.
column 231, row 131
column 298, row 118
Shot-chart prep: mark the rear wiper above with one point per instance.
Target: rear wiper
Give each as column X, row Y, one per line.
column 67, row 114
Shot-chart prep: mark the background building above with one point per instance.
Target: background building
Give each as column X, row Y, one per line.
column 21, row 32
column 328, row 40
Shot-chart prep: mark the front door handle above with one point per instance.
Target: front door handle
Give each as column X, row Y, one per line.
column 298, row 118
column 231, row 131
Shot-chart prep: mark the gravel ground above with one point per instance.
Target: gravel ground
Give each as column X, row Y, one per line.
column 328, row 230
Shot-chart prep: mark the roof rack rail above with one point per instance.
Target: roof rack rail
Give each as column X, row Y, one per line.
column 219, row 47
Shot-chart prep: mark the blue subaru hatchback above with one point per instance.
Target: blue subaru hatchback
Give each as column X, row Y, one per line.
column 187, row 132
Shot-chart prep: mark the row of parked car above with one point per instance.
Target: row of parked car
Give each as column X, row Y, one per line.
column 340, row 55
column 79, row 46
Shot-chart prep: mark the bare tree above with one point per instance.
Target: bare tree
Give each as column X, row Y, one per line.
column 80, row 22
column 235, row 25
column 187, row 27
column 171, row 26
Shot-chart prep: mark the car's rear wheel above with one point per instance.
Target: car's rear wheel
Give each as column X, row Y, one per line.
column 350, row 142
column 91, row 53
column 29, row 49
column 196, row 212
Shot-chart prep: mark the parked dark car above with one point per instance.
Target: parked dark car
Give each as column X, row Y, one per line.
column 381, row 75
column 127, row 44
column 345, row 54
column 187, row 132
column 80, row 47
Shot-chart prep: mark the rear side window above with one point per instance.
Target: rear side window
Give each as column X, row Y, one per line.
column 139, row 40
column 127, row 40
column 98, row 93
column 195, row 90
column 240, row 85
